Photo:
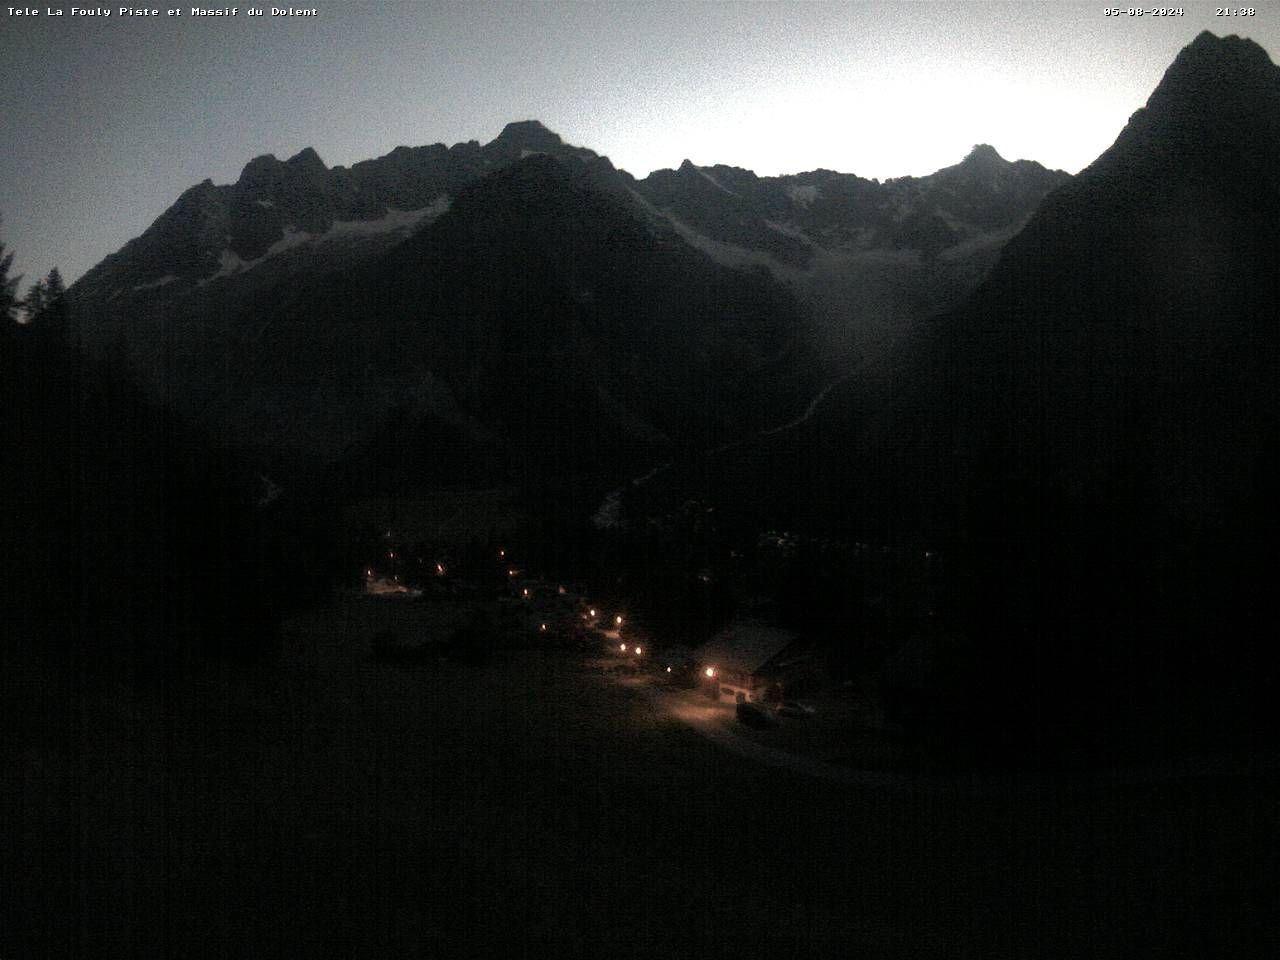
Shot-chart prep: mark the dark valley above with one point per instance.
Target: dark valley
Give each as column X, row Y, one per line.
column 477, row 545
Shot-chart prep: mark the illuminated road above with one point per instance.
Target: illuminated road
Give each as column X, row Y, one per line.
column 717, row 722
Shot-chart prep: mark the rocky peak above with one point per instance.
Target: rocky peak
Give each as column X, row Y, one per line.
column 306, row 161
column 261, row 172
column 1219, row 94
column 1216, row 80
column 1216, row 74
column 1236, row 56
column 528, row 135
column 984, row 155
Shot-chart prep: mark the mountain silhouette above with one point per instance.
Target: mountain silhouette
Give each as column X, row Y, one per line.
column 1097, row 425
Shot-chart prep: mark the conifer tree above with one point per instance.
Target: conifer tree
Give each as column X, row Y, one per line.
column 37, row 298
column 53, row 283
column 55, row 304
column 7, row 285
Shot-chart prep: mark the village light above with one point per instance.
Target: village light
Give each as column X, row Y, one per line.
column 368, row 572
column 561, row 590
column 622, row 647
column 592, row 612
column 668, row 669
column 440, row 569
column 638, row 651
column 618, row 621
column 524, row 592
column 542, row 627
column 511, row 573
column 711, row 671
column 502, row 554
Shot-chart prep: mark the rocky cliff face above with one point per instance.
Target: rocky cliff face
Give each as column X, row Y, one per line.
column 278, row 210
column 795, row 218
column 195, row 304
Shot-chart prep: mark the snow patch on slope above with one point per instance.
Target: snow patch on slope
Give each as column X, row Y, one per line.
column 725, row 254
column 394, row 220
column 167, row 278
column 231, row 264
column 728, row 254
column 803, row 195
column 790, row 230
column 714, row 182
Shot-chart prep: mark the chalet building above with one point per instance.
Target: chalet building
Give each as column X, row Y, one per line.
column 752, row 661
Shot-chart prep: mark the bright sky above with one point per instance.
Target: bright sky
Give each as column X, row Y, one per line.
column 108, row 120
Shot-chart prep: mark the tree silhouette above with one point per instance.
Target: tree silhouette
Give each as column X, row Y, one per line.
column 7, row 284
column 53, row 312
column 33, row 304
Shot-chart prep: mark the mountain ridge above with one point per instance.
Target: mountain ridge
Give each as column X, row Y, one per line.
column 271, row 195
column 193, row 284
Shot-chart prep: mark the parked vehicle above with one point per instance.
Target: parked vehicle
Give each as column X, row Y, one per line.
column 754, row 715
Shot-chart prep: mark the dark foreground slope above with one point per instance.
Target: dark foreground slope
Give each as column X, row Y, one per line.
column 1098, row 425
column 129, row 544
column 530, row 808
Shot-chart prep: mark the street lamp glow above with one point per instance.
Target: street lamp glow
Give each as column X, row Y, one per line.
column 622, row 647
column 711, row 671
column 618, row 621
column 440, row 569
column 592, row 611
column 638, row 651
column 668, row 669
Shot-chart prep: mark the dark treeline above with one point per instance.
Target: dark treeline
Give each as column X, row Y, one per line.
column 132, row 543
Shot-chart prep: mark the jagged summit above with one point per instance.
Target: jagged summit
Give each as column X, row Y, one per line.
column 524, row 137
column 1220, row 95
column 1212, row 67
column 307, row 160
column 1216, row 79
column 983, row 153
column 258, row 167
column 268, row 168
column 530, row 134
column 1208, row 46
